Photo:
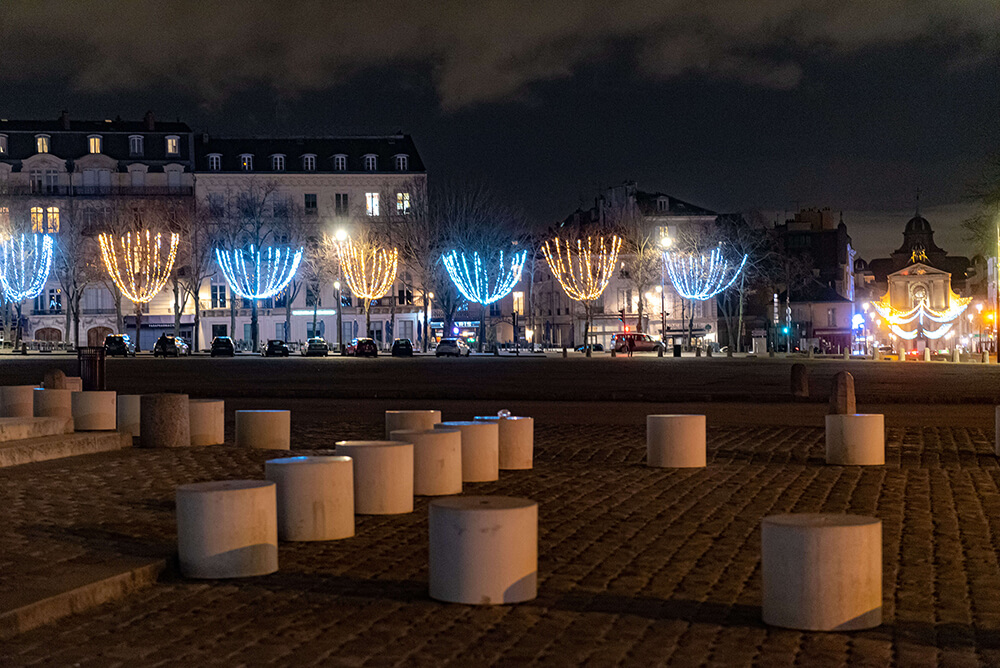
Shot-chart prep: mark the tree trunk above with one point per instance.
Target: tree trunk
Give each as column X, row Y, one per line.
column 739, row 326
column 254, row 332
column 315, row 309
column 586, row 328
column 368, row 319
column 197, row 327
column 691, row 325
column 427, row 319
column 232, row 316
column 288, row 318
column 177, row 308
column 638, row 324
column 69, row 318
column 17, row 335
column 76, row 319
column 482, row 326
column 119, row 318
column 138, row 325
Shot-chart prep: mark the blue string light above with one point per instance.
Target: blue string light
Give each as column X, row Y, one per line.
column 258, row 273
column 703, row 277
column 24, row 265
column 474, row 281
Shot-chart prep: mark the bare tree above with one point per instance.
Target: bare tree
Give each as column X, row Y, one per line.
column 641, row 252
column 199, row 252
column 76, row 263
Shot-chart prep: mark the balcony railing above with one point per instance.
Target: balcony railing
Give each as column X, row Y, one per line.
column 97, row 191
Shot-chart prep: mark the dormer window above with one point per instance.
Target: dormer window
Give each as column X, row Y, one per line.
column 94, row 141
column 278, row 163
column 214, row 162
column 309, row 162
column 340, row 163
column 42, row 143
column 135, row 145
column 402, row 163
column 173, row 145
column 663, row 204
column 371, row 162
column 246, row 162
column 3, row 144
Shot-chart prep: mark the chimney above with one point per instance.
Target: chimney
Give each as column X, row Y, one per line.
column 204, row 137
column 150, row 121
column 64, row 119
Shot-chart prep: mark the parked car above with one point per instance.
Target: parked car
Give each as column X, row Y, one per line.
column 274, row 348
column 594, row 347
column 169, row 345
column 402, row 348
column 119, row 344
column 453, row 347
column 362, row 348
column 223, row 346
column 317, row 345
column 637, row 341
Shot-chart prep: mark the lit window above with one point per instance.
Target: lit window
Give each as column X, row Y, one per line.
column 403, row 202
column 215, row 162
column 246, row 162
column 402, row 163
column 3, row 144
column 42, row 143
column 277, row 163
column 309, row 163
column 173, row 145
column 135, row 145
column 4, row 217
column 340, row 163
column 371, row 204
column 52, row 213
column 95, row 143
column 370, row 163
column 45, row 221
column 37, row 219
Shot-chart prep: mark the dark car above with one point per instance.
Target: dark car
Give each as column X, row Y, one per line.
column 316, row 346
column 402, row 348
column 637, row 341
column 274, row 348
column 223, row 346
column 118, row 344
column 362, row 348
column 170, row 346
column 594, row 347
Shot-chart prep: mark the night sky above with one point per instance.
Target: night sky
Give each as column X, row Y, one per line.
column 728, row 104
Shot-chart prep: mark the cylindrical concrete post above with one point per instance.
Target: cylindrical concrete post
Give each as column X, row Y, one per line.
column 822, row 572
column 927, row 354
column 264, row 430
column 420, row 420
column 480, row 449
column 55, row 403
column 208, row 421
column 437, row 459
column 483, row 549
column 165, row 421
column 17, row 401
column 129, row 412
column 516, row 439
column 996, row 443
column 675, row 441
column 54, row 379
column 383, row 476
column 74, row 383
column 855, row 440
column 94, row 410
column 315, row 497
column 227, row 529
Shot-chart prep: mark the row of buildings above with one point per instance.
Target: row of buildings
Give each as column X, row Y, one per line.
column 68, row 171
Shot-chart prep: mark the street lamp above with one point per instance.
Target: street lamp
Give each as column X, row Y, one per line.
column 427, row 319
column 665, row 243
column 341, row 236
column 864, row 327
column 979, row 309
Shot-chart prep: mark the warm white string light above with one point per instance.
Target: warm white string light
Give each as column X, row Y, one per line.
column 25, row 261
column 474, row 281
column 370, row 270
column 137, row 262
column 584, row 267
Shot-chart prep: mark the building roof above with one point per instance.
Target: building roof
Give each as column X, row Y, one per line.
column 385, row 147
column 648, row 203
column 91, row 127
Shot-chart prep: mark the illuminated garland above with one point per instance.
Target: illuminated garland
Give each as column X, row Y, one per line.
column 370, row 271
column 583, row 269
column 144, row 267
column 703, row 277
column 474, row 283
column 24, row 266
column 920, row 313
column 258, row 273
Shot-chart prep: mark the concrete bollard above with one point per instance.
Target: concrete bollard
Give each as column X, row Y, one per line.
column 54, row 403
column 227, row 529
column 480, row 449
column 383, row 476
column 483, row 550
column 264, row 430
column 74, row 383
column 614, row 353
column 842, row 395
column 94, row 411
column 956, row 356
column 165, row 421
column 855, row 440
column 800, row 381
column 564, row 352
column 821, row 572
column 810, row 354
column 847, row 354
column 770, row 353
column 17, row 401
column 437, row 459
column 675, row 441
column 516, row 441
column 708, row 351
column 419, row 420
column 54, row 379
column 659, row 351
column 208, row 421
column 986, row 357
column 315, row 497
column 129, row 412
column 927, row 354
column 697, row 351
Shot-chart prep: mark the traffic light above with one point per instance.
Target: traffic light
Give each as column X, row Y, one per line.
column 784, row 330
column 621, row 315
column 626, row 329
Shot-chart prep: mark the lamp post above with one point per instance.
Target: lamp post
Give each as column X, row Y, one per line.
column 340, row 236
column 979, row 309
column 665, row 243
column 864, row 328
column 427, row 320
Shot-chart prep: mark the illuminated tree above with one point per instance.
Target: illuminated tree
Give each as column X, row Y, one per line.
column 701, row 277
column 369, row 269
column 25, row 260
column 583, row 268
column 478, row 280
column 139, row 262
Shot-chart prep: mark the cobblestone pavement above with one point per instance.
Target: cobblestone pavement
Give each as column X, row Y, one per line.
column 637, row 566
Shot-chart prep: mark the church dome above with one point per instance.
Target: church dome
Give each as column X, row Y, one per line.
column 918, row 225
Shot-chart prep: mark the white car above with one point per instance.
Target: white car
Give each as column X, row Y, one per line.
column 453, row 347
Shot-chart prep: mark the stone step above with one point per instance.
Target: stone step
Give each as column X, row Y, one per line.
column 19, row 429
column 56, row 446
